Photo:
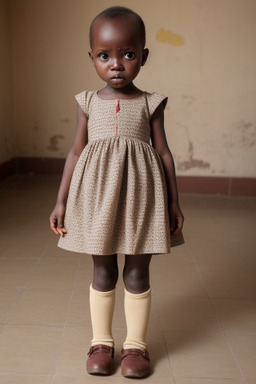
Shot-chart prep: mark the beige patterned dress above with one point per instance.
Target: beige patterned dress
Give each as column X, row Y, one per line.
column 117, row 199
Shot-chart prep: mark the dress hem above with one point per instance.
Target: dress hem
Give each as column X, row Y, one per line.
column 115, row 252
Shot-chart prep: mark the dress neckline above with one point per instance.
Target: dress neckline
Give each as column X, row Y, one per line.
column 135, row 98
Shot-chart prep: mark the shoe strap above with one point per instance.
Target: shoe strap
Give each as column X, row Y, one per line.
column 101, row 348
column 134, row 352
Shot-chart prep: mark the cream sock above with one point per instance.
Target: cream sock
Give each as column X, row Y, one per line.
column 102, row 309
column 137, row 310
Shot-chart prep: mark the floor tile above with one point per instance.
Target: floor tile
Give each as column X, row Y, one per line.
column 158, row 355
column 15, row 272
column 40, row 225
column 25, row 379
column 113, row 379
column 180, row 280
column 53, row 250
column 196, row 226
column 207, row 381
column 230, row 228
column 250, row 270
column 6, row 237
column 187, row 314
column 74, row 348
column 245, row 250
column 27, row 349
column 227, row 282
column 178, row 256
column 79, row 314
column 194, row 354
column 27, row 244
column 213, row 251
column 236, row 315
column 244, row 347
column 7, row 300
column 154, row 321
column 54, row 273
column 49, row 307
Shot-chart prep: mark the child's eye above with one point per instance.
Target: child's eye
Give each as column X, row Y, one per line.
column 129, row 55
column 103, row 56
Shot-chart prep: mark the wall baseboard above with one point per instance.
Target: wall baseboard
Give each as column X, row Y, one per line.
column 8, row 168
column 230, row 186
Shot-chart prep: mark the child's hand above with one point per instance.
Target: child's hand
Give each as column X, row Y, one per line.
column 57, row 219
column 176, row 218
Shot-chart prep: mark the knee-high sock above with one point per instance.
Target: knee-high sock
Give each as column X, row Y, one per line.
column 137, row 310
column 102, row 308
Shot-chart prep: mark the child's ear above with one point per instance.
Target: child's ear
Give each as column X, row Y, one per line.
column 144, row 56
column 91, row 57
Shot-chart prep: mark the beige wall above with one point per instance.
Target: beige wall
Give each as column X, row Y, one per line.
column 6, row 131
column 205, row 64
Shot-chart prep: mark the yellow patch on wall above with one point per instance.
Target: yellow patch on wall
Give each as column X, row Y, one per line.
column 168, row 37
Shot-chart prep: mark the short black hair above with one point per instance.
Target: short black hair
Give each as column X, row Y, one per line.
column 114, row 13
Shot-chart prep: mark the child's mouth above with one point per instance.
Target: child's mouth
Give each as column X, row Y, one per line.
column 117, row 79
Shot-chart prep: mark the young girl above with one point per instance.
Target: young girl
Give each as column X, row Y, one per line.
column 118, row 192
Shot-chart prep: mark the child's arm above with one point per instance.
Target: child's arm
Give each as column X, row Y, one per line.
column 159, row 142
column 80, row 140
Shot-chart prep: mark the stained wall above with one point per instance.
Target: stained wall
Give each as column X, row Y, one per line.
column 202, row 55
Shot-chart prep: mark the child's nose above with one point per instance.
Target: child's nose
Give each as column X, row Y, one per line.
column 117, row 64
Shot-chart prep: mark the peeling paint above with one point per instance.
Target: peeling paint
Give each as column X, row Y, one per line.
column 54, row 141
column 241, row 135
column 168, row 37
column 192, row 162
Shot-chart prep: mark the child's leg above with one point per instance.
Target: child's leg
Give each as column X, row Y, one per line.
column 102, row 298
column 137, row 299
column 135, row 358
column 102, row 301
column 105, row 272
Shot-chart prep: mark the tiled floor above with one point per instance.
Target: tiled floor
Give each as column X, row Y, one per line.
column 203, row 319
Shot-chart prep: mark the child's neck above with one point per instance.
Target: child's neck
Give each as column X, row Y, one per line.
column 127, row 92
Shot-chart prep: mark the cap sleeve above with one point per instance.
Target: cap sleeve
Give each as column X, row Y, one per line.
column 154, row 100
column 83, row 100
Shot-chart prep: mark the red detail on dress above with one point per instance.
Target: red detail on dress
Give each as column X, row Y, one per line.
column 117, row 110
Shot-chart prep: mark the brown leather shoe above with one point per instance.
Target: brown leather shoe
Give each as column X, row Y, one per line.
column 100, row 360
column 135, row 363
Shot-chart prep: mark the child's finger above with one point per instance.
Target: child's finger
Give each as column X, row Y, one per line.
column 54, row 230
column 178, row 226
column 61, row 231
column 53, row 225
column 177, row 230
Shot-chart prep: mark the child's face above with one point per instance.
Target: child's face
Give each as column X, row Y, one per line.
column 117, row 53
